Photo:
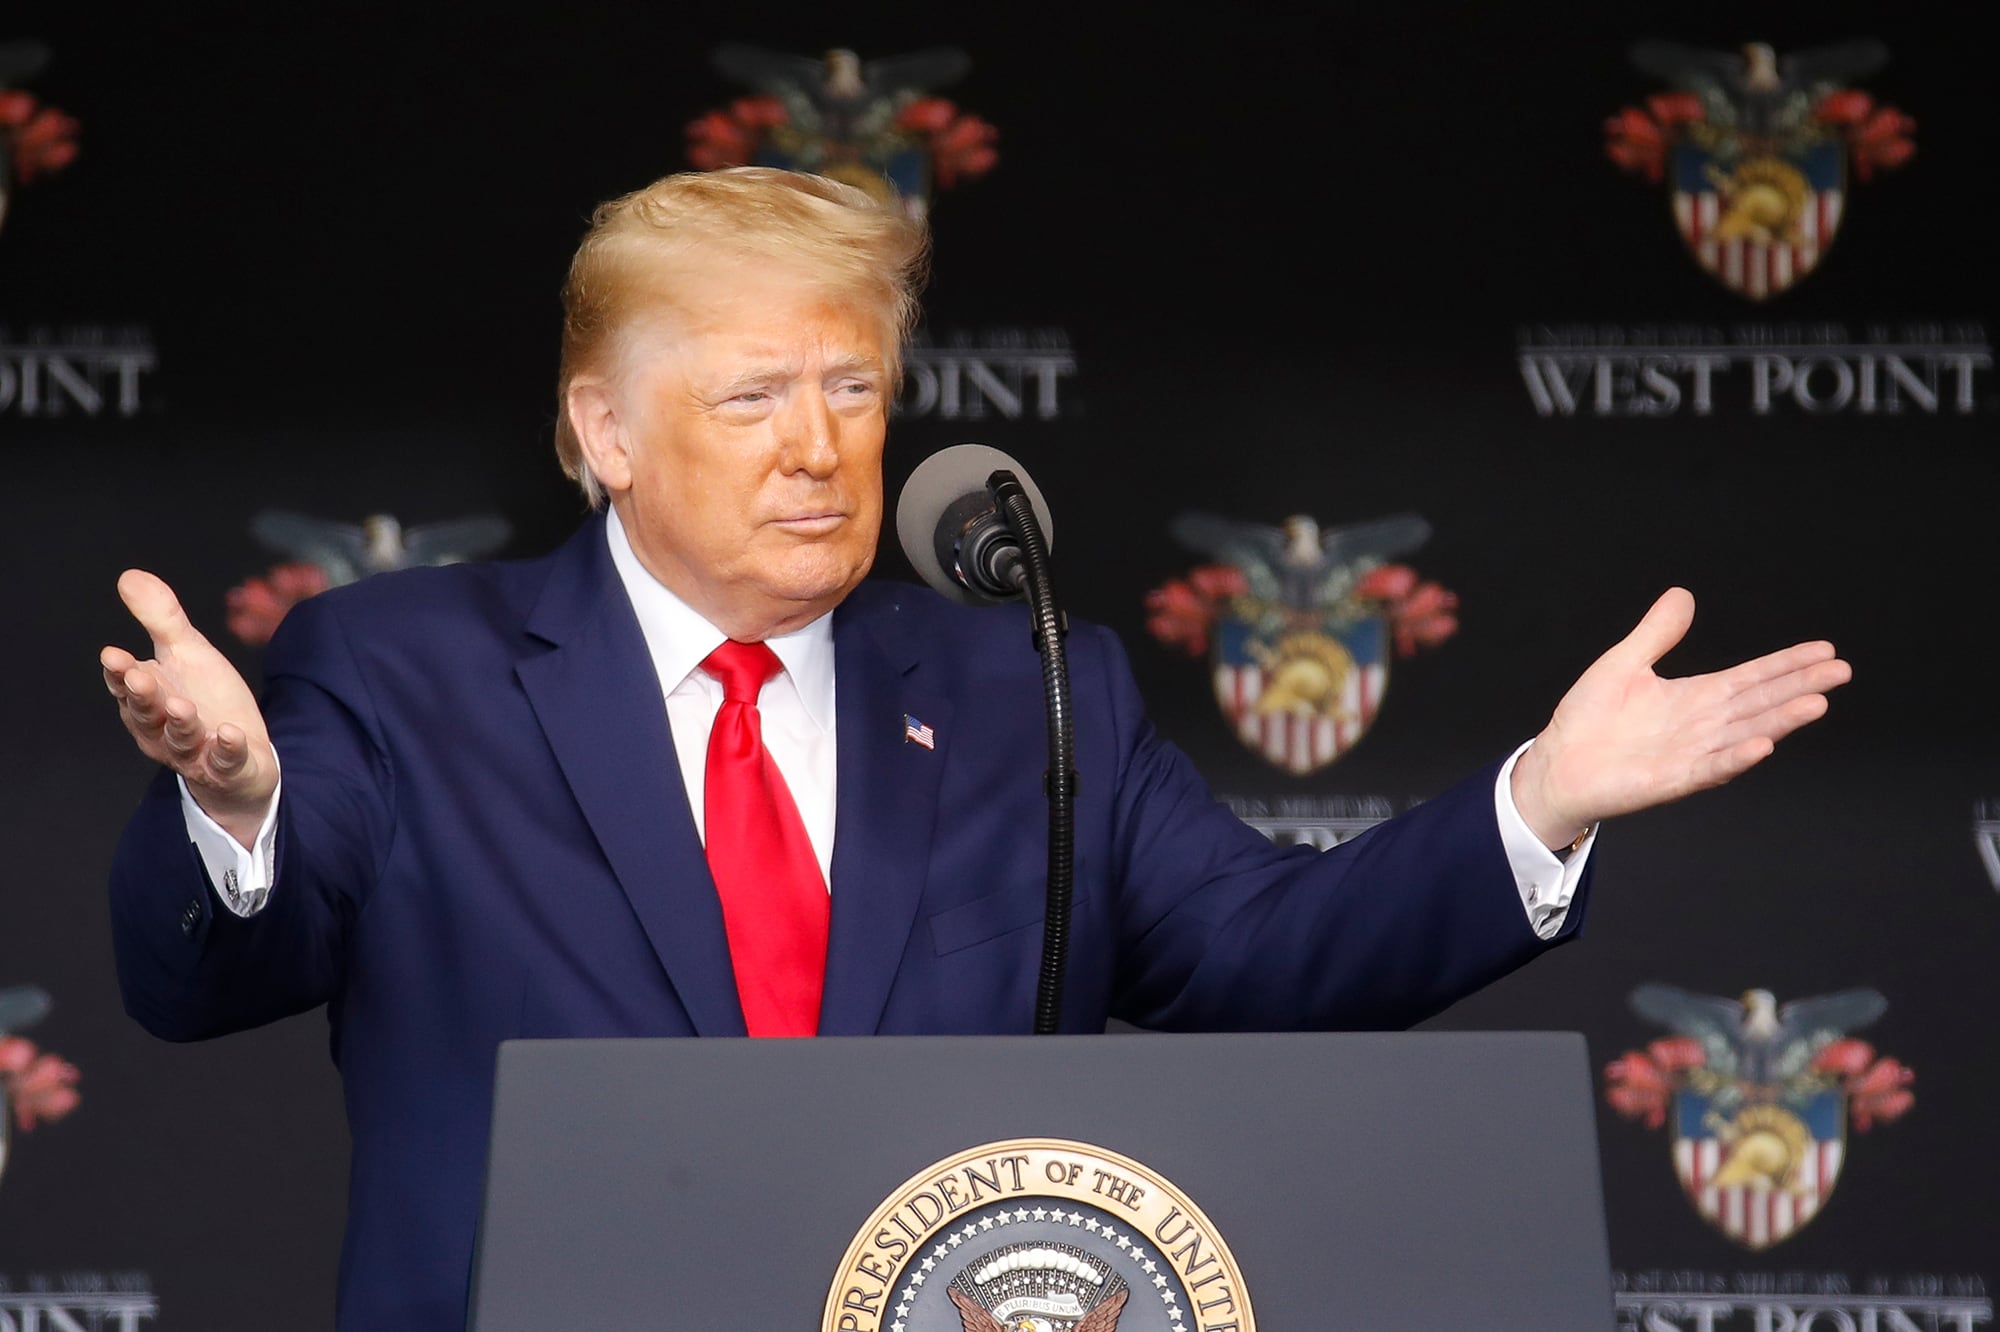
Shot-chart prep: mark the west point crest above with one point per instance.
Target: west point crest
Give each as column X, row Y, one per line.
column 1760, row 1098
column 1299, row 622
column 1037, row 1235
column 876, row 124
column 1756, row 148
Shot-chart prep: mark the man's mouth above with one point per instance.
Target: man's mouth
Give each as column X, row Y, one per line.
column 810, row 524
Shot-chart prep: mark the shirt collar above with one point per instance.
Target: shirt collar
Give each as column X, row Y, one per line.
column 679, row 638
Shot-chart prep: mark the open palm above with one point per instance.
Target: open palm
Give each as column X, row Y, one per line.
column 188, row 708
column 1624, row 738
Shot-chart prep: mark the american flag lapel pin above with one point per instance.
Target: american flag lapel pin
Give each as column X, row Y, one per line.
column 916, row 733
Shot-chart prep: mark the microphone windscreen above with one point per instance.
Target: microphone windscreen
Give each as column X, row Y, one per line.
column 939, row 482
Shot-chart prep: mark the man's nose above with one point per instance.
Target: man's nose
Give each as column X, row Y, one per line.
column 809, row 435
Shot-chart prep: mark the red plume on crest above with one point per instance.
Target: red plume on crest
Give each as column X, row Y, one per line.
column 961, row 146
column 958, row 146
column 258, row 604
column 1638, row 1084
column 729, row 137
column 39, row 139
column 1421, row 614
column 1181, row 612
column 40, row 1087
column 1877, row 137
column 1875, row 1087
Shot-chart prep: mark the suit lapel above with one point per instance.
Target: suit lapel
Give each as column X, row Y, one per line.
column 598, row 700
column 886, row 806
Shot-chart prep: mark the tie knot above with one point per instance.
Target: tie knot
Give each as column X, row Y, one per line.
column 742, row 668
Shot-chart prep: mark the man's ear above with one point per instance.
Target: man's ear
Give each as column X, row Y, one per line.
column 597, row 418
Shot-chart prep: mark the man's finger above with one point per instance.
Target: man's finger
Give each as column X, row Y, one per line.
column 1776, row 723
column 227, row 755
column 115, row 661
column 1772, row 726
column 185, row 731
column 1776, row 664
column 142, row 696
column 156, row 608
column 1727, row 765
column 1664, row 626
column 1817, row 678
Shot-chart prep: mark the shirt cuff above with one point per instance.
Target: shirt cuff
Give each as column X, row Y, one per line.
column 240, row 875
column 1545, row 882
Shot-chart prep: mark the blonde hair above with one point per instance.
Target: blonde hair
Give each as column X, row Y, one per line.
column 640, row 247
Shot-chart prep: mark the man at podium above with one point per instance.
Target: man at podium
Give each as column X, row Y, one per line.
column 691, row 774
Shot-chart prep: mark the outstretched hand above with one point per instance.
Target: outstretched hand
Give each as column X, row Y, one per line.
column 189, row 708
column 1625, row 739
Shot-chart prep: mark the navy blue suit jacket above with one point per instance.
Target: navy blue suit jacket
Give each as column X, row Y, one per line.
column 484, row 835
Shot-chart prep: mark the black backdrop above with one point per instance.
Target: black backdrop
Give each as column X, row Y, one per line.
column 1292, row 256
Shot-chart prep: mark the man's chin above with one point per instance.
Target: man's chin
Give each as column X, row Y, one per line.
column 821, row 584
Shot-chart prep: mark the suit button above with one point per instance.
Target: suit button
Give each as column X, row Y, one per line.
column 190, row 917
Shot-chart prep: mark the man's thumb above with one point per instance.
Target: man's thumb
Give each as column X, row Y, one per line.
column 156, row 608
column 1664, row 626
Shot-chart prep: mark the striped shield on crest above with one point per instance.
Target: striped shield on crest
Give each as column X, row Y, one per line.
column 1761, row 1169
column 1761, row 222
column 1302, row 695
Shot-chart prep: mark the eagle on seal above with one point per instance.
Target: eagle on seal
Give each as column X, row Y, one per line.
column 1103, row 1318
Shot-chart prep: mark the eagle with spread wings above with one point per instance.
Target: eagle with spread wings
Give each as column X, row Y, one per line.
column 1301, row 565
column 1102, row 1318
column 1757, row 90
column 841, row 96
column 347, row 553
column 1754, row 1038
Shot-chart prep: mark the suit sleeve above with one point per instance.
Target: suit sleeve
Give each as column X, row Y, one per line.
column 190, row 970
column 1221, row 930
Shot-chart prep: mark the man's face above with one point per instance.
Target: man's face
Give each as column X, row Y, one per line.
column 754, row 428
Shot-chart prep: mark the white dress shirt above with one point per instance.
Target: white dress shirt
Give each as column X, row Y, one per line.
column 797, row 711
column 795, row 707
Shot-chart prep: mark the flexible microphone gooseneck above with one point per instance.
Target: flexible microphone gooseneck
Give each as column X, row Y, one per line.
column 987, row 542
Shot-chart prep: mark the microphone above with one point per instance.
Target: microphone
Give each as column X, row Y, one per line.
column 951, row 527
column 977, row 530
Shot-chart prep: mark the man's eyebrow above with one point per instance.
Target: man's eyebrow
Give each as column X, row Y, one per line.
column 775, row 370
column 755, row 375
column 847, row 365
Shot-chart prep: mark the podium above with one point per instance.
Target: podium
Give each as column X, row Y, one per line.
column 1356, row 1181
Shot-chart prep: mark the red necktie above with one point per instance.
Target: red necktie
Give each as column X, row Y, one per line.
column 774, row 901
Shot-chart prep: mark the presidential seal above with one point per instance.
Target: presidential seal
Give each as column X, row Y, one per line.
column 1037, row 1235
